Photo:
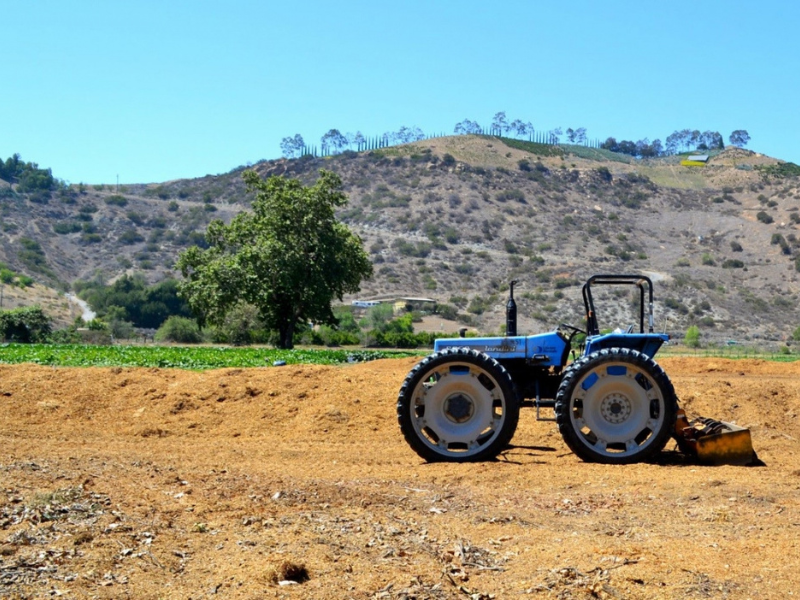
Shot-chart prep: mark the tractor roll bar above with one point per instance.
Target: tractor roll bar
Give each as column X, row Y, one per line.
column 637, row 280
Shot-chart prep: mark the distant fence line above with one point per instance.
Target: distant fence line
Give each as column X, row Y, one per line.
column 771, row 352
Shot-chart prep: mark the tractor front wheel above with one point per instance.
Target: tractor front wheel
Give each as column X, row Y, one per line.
column 458, row 405
column 616, row 406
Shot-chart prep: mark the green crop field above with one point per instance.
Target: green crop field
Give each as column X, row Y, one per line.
column 195, row 358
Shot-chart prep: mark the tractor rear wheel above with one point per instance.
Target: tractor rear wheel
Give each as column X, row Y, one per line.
column 458, row 405
column 616, row 406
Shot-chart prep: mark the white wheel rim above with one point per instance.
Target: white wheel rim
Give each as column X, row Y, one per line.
column 617, row 408
column 457, row 409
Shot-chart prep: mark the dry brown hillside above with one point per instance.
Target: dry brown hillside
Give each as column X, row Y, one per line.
column 456, row 218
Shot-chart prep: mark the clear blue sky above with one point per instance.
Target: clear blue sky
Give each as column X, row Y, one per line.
column 158, row 90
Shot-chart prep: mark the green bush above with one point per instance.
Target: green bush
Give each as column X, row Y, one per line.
column 764, row 217
column 242, row 326
column 478, row 305
column 676, row 305
column 29, row 325
column 692, row 337
column 117, row 200
column 130, row 236
column 733, row 263
column 447, row 311
column 506, row 195
column 65, row 228
column 179, row 329
column 779, row 240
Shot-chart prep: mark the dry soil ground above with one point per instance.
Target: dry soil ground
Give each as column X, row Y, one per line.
column 148, row 483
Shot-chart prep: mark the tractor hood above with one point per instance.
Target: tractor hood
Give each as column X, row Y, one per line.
column 546, row 349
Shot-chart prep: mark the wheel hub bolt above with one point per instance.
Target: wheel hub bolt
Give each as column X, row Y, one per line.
column 615, row 408
column 459, row 408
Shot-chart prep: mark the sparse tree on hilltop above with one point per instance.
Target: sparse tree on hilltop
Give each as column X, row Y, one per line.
column 554, row 135
column 576, row 136
column 499, row 124
column 710, row 140
column 355, row 139
column 467, row 127
column 292, row 147
column 519, row 128
column 333, row 141
column 739, row 138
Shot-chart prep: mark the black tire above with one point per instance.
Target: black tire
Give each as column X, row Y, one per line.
column 616, row 406
column 458, row 405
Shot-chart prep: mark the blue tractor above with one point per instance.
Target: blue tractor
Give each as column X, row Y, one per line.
column 613, row 404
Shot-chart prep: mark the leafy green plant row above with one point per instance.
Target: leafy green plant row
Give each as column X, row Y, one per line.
column 73, row 355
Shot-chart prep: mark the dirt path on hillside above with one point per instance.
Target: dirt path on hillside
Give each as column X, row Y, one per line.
column 153, row 483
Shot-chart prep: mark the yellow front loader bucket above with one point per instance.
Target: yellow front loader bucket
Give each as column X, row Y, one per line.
column 715, row 442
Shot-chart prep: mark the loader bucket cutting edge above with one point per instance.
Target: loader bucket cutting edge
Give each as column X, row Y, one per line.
column 733, row 447
column 715, row 442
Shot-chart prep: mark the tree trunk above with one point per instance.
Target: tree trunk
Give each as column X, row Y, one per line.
column 286, row 335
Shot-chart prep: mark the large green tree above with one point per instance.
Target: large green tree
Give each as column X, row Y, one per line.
column 289, row 257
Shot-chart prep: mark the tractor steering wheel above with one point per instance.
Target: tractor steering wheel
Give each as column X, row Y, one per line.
column 573, row 331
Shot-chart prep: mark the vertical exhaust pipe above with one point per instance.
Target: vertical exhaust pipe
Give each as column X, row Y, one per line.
column 511, row 312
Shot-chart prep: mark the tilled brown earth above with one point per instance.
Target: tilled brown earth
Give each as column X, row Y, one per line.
column 152, row 483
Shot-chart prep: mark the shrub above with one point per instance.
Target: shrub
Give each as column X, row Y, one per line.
column 708, row 260
column 604, row 173
column 130, row 236
column 447, row 311
column 733, row 263
column 65, row 228
column 117, row 200
column 27, row 325
column 135, row 217
column 764, row 217
column 778, row 239
column 692, row 337
column 514, row 194
column 179, row 329
column 242, row 326
column 121, row 329
column 736, row 247
column 478, row 305
column 419, row 250
column 91, row 238
column 676, row 305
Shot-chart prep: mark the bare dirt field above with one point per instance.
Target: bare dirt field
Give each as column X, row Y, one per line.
column 153, row 483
